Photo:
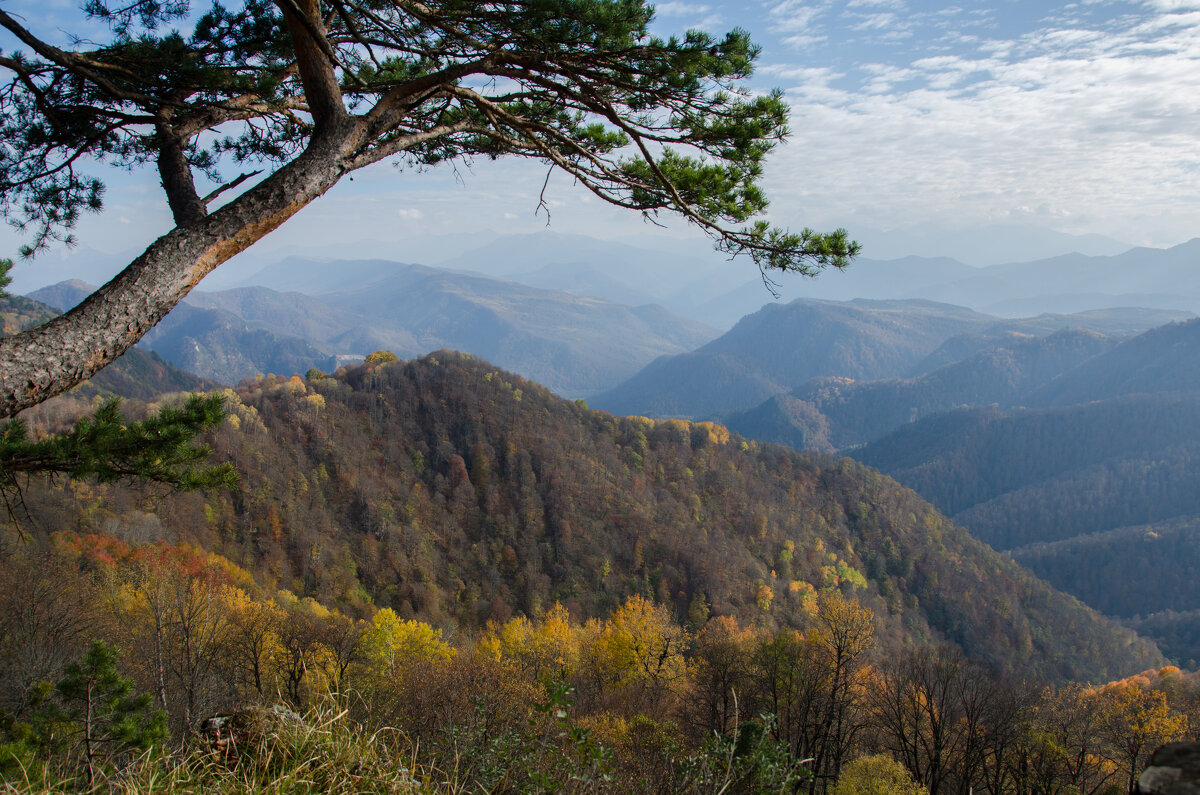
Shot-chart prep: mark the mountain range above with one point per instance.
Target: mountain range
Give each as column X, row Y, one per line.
column 1067, row 434
column 782, row 348
column 576, row 345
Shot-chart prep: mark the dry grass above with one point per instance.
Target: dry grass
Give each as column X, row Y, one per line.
column 327, row 753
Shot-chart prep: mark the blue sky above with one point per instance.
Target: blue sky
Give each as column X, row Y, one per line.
column 1082, row 118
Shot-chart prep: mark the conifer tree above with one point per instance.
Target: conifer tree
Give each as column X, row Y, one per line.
column 101, row 717
column 106, row 446
column 314, row 90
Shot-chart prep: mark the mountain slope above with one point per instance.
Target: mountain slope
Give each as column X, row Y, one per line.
column 573, row 344
column 1165, row 359
column 221, row 346
column 450, row 490
column 782, row 346
column 1127, row 572
column 858, row 412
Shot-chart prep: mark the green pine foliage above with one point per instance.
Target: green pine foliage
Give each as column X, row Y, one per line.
column 92, row 721
column 107, row 447
column 597, row 93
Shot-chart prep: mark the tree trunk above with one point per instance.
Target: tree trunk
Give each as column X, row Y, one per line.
column 89, row 750
column 45, row 361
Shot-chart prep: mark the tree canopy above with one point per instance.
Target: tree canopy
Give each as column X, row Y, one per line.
column 311, row 90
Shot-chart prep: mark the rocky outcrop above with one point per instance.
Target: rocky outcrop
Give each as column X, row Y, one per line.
column 1174, row 769
column 247, row 728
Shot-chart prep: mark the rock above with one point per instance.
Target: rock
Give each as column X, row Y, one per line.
column 1174, row 769
column 247, row 728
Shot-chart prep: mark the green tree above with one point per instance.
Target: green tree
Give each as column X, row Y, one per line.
column 316, row 89
column 101, row 718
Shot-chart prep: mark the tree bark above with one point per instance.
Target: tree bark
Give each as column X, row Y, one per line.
column 45, row 361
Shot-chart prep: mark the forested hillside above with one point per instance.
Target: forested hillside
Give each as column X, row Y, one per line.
column 1021, row 477
column 455, row 492
column 1128, row 572
column 1165, row 359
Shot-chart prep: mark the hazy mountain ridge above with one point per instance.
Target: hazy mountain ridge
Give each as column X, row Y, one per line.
column 858, row 412
column 220, row 345
column 691, row 280
column 782, row 346
column 575, row 344
column 1068, row 283
column 1165, row 359
column 1117, row 322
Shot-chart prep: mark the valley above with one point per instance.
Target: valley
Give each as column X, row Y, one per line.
column 1047, row 437
column 479, row 521
column 590, row 397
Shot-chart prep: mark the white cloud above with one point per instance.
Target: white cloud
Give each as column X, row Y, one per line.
column 678, row 9
column 797, row 21
column 410, row 214
column 881, row 21
column 1097, row 130
column 1173, row 5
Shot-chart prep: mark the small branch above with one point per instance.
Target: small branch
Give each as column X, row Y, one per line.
column 16, row 495
column 542, row 203
column 207, row 200
column 400, row 144
column 176, row 175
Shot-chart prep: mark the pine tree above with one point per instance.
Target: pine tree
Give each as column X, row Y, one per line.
column 99, row 716
column 317, row 89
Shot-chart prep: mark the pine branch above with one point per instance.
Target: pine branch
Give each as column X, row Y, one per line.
column 160, row 448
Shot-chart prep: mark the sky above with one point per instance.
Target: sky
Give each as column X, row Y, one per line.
column 908, row 117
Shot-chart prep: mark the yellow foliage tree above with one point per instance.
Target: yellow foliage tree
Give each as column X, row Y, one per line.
column 877, row 775
column 390, row 643
column 548, row 648
column 253, row 644
column 1135, row 721
column 639, row 651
